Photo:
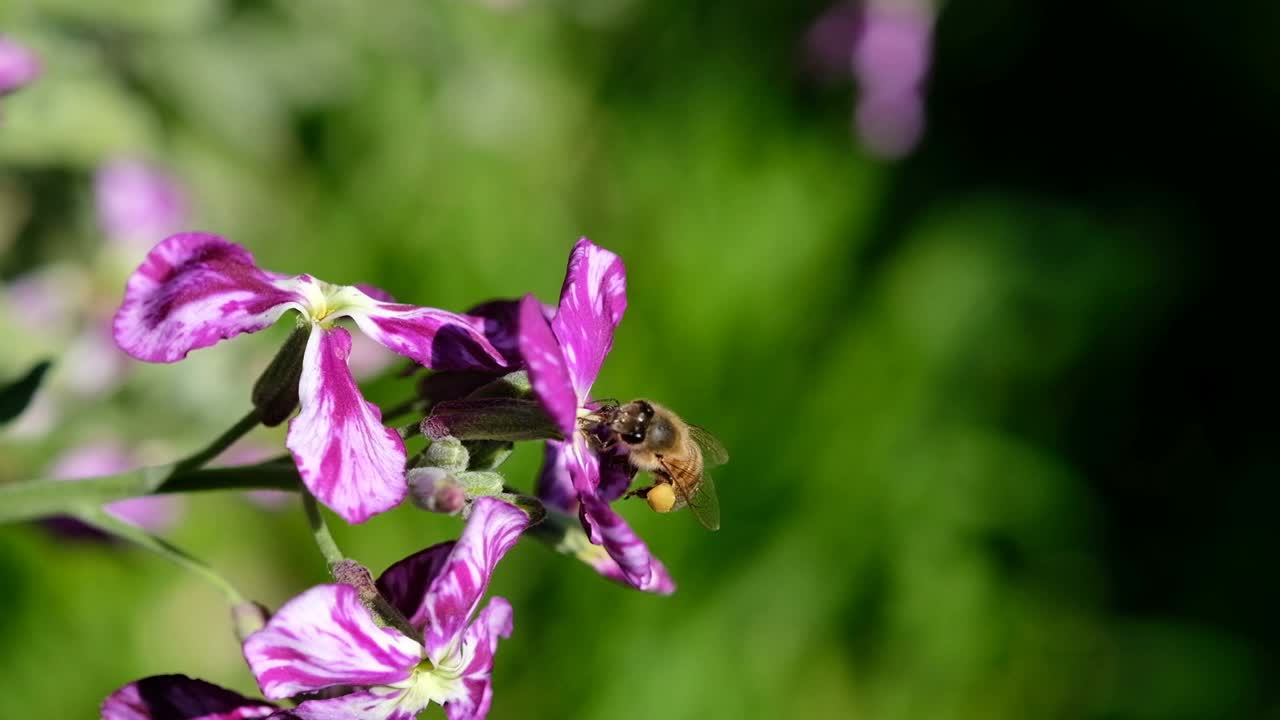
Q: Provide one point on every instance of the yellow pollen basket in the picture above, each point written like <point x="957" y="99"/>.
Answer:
<point x="661" y="497"/>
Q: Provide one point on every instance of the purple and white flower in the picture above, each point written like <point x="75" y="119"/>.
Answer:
<point x="195" y="289"/>
<point x="325" y="637"/>
<point x="178" y="697"/>
<point x="138" y="204"/>
<point x="18" y="66"/>
<point x="563" y="357"/>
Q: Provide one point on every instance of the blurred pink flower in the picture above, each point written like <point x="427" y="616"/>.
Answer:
<point x="887" y="47"/>
<point x="96" y="365"/>
<point x="139" y="204"/>
<point x="18" y="66"/>
<point x="154" y="514"/>
<point x="46" y="300"/>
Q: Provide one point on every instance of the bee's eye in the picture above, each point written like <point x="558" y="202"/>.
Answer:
<point x="632" y="438"/>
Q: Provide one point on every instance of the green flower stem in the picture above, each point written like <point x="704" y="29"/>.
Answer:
<point x="106" y="522"/>
<point x="33" y="499"/>
<point x="223" y="441"/>
<point x="320" y="531"/>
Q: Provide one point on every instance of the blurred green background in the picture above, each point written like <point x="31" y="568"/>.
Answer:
<point x="997" y="448"/>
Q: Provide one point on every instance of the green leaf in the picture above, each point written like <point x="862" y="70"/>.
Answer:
<point x="15" y="396"/>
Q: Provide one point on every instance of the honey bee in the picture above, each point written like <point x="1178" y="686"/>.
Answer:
<point x="674" y="452"/>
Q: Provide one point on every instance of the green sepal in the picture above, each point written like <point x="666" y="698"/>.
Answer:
<point x="275" y="394"/>
<point x="498" y="418"/>
<point x="488" y="454"/>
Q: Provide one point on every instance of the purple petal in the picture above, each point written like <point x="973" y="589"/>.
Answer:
<point x="138" y="203"/>
<point x="345" y="456"/>
<point x="326" y="637"/>
<point x="600" y="561"/>
<point x="474" y="705"/>
<point x="376" y="703"/>
<point x="494" y="526"/>
<point x="555" y="486"/>
<point x="583" y="465"/>
<point x="642" y="570"/>
<point x="153" y="514"/>
<point x="500" y="321"/>
<point x="548" y="373"/>
<point x="494" y="622"/>
<point x="406" y="583"/>
<point x="178" y="697"/>
<point x="18" y="66"/>
<point x="481" y="640"/>
<point x="616" y="474"/>
<point x="434" y="338"/>
<point x="193" y="290"/>
<point x="375" y="292"/>
<point x="895" y="49"/>
<point x="592" y="301"/>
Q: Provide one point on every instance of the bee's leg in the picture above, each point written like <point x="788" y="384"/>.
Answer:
<point x="602" y="444"/>
<point x="639" y="492"/>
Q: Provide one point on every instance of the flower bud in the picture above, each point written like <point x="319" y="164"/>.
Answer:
<point x="435" y="490"/>
<point x="275" y="395"/>
<point x="448" y="453"/>
<point x="491" y="418"/>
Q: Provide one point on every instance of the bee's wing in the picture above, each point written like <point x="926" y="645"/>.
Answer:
<point x="702" y="502"/>
<point x="713" y="452"/>
<point x="705" y="505"/>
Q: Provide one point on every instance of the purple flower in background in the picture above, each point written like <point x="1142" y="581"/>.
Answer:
<point x="153" y="514"/>
<point x="888" y="46"/>
<point x="563" y="357"/>
<point x="138" y="204"/>
<point x="195" y="289"/>
<point x="891" y="60"/>
<point x="18" y="66"/>
<point x="325" y="637"/>
<point x="178" y="697"/>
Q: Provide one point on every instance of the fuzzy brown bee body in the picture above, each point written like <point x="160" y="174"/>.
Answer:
<point x="674" y="452"/>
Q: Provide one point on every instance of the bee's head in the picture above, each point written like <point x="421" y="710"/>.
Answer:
<point x="632" y="421"/>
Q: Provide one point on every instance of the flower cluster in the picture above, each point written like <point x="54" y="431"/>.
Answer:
<point x="506" y="371"/>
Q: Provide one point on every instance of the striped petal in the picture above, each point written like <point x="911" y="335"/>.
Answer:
<point x="178" y="697"/>
<point x="375" y="703"/>
<point x="346" y="457"/>
<point x="195" y="289"/>
<point x="436" y="339"/>
<point x="555" y="487"/>
<point x="641" y="569"/>
<point x="406" y="583"/>
<point x="548" y="372"/>
<point x="481" y="641"/>
<point x="454" y="594"/>
<point x="592" y="301"/>
<point x="326" y="637"/>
